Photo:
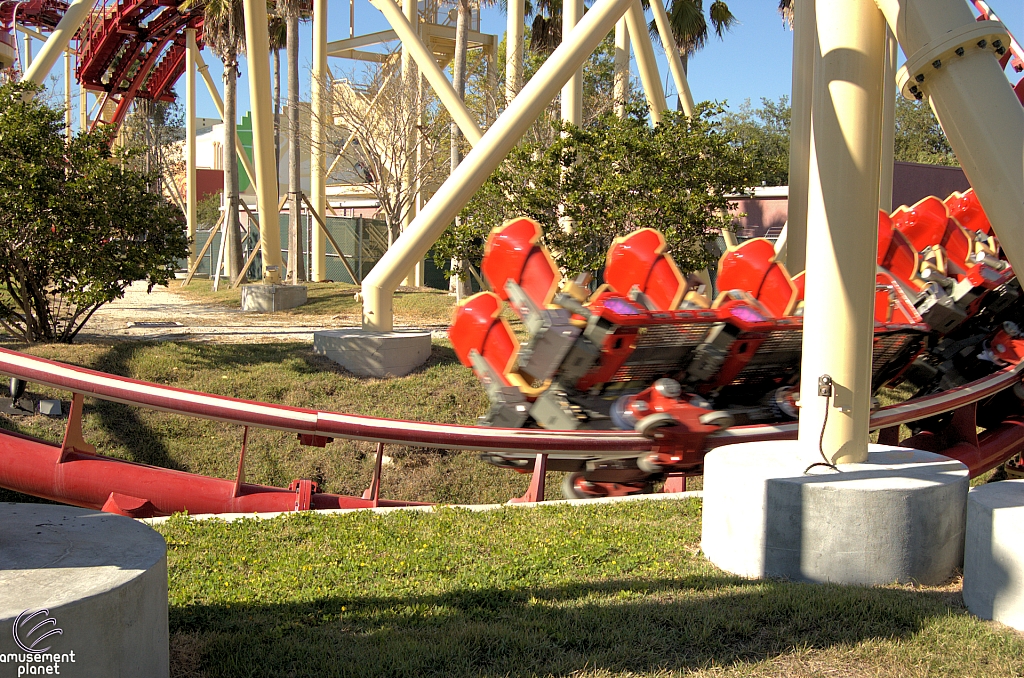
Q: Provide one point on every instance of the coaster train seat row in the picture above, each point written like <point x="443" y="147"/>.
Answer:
<point x="653" y="351"/>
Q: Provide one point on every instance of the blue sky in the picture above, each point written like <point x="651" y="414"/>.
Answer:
<point x="753" y="60"/>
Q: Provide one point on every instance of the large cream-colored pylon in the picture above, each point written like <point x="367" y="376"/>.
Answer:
<point x="379" y="285"/>
<point x="410" y="78"/>
<point x="621" y="67"/>
<point x="190" y="142"/>
<point x="675" y="62"/>
<point x="888" y="121"/>
<point x="968" y="91"/>
<point x="805" y="58"/>
<point x="572" y="92"/>
<point x="257" y="45"/>
<point x="58" y="41"/>
<point x="842" y="218"/>
<point x="319" y="120"/>
<point x="514" y="48"/>
<point x="646" y="64"/>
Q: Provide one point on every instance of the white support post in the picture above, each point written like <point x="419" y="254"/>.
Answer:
<point x="675" y="62"/>
<point x="410" y="76"/>
<point x="431" y="71"/>
<point x="257" y="44"/>
<point x="190" y="141"/>
<point x="514" y="48"/>
<point x="320" y="97"/>
<point x="621" y="91"/>
<point x="58" y="41"/>
<point x="842" y="208"/>
<point x="83" y="103"/>
<point x="379" y="286"/>
<point x="805" y="59"/>
<point x="643" y="50"/>
<point x="67" y="93"/>
<point x="572" y="92"/>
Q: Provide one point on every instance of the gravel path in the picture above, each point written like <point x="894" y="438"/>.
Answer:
<point x="162" y="315"/>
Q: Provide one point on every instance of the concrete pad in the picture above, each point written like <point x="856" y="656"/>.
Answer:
<point x="899" y="517"/>
<point x="262" y="298"/>
<point x="374" y="354"/>
<point x="994" y="552"/>
<point x="100" y="578"/>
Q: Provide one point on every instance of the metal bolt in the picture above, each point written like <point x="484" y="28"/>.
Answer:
<point x="959" y="51"/>
<point x="1001" y="51"/>
<point x="918" y="96"/>
<point x="997" y="43"/>
<point x="919" y="77"/>
<point x="937" y="63"/>
<point x="982" y="44"/>
<point x="913" y="89"/>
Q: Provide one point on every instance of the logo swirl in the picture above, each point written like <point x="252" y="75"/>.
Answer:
<point x="27" y="640"/>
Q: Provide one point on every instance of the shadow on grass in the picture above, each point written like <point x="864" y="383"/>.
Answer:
<point x="122" y="422"/>
<point x="617" y="626"/>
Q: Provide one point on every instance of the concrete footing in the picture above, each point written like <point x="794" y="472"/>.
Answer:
<point x="374" y="354"/>
<point x="262" y="298"/>
<point x="994" y="553"/>
<point x="81" y="592"/>
<point x="899" y="517"/>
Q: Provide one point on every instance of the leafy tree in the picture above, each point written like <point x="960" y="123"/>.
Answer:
<point x="763" y="134"/>
<point x="919" y="137"/>
<point x="75" y="227"/>
<point x="612" y="178"/>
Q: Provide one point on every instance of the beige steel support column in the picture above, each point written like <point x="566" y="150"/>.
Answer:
<point x="58" y="41"/>
<point x="675" y="63"/>
<point x="258" y="57"/>
<point x="319" y="120"/>
<point x="841" y="238"/>
<point x="643" y="50"/>
<point x="621" y="91"/>
<point x="67" y="93"/>
<point x="888" y="121"/>
<point x="514" y="48"/>
<point x="409" y="79"/>
<point x="379" y="286"/>
<point x="572" y="92"/>
<point x="28" y="51"/>
<point x="805" y="59"/>
<point x="979" y="113"/>
<point x="431" y="71"/>
<point x="83" y="104"/>
<point x="218" y="103"/>
<point x="190" y="141"/>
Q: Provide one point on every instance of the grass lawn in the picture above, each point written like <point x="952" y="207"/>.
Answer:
<point x="412" y="306"/>
<point x="570" y="591"/>
<point x="289" y="374"/>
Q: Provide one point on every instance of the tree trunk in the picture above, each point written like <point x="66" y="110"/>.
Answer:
<point x="233" y="234"/>
<point x="296" y="269"/>
<point x="459" y="285"/>
<point x="276" y="53"/>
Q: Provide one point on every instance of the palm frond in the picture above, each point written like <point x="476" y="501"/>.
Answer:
<point x="721" y="18"/>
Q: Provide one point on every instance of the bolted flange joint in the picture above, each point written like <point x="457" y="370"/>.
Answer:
<point x="964" y="42"/>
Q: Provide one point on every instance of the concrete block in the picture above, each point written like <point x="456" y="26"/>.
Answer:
<point x="994" y="553"/>
<point x="50" y="408"/>
<point x="101" y="578"/>
<point x="374" y="354"/>
<point x="899" y="517"/>
<point x="261" y="298"/>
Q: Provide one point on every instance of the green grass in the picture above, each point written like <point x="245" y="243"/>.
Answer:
<point x="583" y="591"/>
<point x="289" y="374"/>
<point x="423" y="305"/>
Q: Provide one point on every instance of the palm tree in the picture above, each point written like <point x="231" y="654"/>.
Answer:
<point x="690" y="27"/>
<point x="224" y="33"/>
<point x="292" y="11"/>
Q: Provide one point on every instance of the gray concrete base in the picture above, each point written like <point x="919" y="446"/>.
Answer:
<point x="100" y="578"/>
<point x="994" y="553"/>
<point x="374" y="354"/>
<point x="262" y="298"/>
<point x="899" y="517"/>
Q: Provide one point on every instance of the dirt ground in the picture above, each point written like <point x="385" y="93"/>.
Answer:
<point x="162" y="315"/>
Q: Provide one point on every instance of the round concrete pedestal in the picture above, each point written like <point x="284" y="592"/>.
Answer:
<point x="97" y="578"/>
<point x="899" y="517"/>
<point x="994" y="553"/>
